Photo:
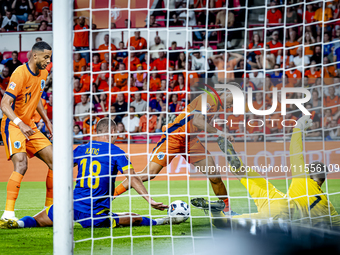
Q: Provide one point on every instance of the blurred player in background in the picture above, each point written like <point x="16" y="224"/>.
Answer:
<point x="92" y="194"/>
<point x="19" y="132"/>
<point x="181" y="137"/>
<point x="305" y="202"/>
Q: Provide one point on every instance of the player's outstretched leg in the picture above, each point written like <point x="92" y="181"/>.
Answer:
<point x="219" y="219"/>
<point x="207" y="166"/>
<point x="13" y="186"/>
<point x="39" y="220"/>
<point x="134" y="219"/>
<point x="227" y="147"/>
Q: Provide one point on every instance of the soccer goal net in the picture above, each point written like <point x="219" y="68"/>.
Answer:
<point x="141" y="63"/>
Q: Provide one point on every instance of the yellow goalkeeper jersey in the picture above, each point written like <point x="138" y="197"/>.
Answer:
<point x="313" y="206"/>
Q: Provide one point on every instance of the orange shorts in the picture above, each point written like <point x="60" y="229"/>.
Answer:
<point x="171" y="145"/>
<point x="15" y="141"/>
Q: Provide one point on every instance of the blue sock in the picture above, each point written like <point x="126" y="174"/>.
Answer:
<point x="147" y="222"/>
<point x="29" y="222"/>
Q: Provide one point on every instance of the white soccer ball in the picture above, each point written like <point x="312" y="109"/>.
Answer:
<point x="179" y="211"/>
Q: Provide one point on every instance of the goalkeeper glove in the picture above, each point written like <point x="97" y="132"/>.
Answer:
<point x="304" y="122"/>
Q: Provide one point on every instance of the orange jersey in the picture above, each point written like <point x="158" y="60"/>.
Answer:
<point x="332" y="102"/>
<point x="201" y="4"/>
<point x="274" y="17"/>
<point x="133" y="63"/>
<point x="183" y="122"/>
<point x="312" y="76"/>
<point x="78" y="65"/>
<point x="293" y="76"/>
<point x="120" y="79"/>
<point x="137" y="44"/>
<point x="329" y="72"/>
<point x="81" y="39"/>
<point x="291" y="44"/>
<point x="259" y="45"/>
<point x="87" y="123"/>
<point x="105" y="47"/>
<point x="155" y="84"/>
<point x="4" y="83"/>
<point x="323" y="15"/>
<point x="273" y="46"/>
<point x="26" y="89"/>
<point x="85" y="81"/>
<point x="152" y="123"/>
<point x="192" y="78"/>
<point x="114" y="94"/>
<point x="234" y="121"/>
<point x="36" y="116"/>
<point x="161" y="64"/>
<point x="38" y="6"/>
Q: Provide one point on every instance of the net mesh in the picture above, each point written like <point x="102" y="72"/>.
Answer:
<point x="163" y="55"/>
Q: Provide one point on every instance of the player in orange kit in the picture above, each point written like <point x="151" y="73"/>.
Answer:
<point x="180" y="138"/>
<point x="20" y="135"/>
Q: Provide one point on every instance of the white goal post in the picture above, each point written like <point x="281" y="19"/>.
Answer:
<point x="62" y="126"/>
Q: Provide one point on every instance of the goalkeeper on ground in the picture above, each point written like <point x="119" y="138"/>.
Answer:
<point x="98" y="165"/>
<point x="305" y="202"/>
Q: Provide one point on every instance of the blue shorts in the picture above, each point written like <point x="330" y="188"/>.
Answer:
<point x="85" y="219"/>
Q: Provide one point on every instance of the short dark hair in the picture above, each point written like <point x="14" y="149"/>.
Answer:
<point x="15" y="52"/>
<point x="134" y="108"/>
<point x="103" y="125"/>
<point x="318" y="171"/>
<point x="41" y="46"/>
<point x="96" y="54"/>
<point x="43" y="21"/>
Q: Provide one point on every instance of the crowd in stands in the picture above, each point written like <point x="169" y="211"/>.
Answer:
<point x="27" y="15"/>
<point x="143" y="84"/>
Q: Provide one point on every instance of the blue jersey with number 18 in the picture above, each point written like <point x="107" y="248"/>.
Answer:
<point x="93" y="159"/>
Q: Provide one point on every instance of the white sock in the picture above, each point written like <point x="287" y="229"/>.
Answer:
<point x="21" y="224"/>
<point x="162" y="221"/>
<point x="8" y="214"/>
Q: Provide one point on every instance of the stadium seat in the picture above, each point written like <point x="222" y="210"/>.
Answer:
<point x="23" y="56"/>
<point x="155" y="138"/>
<point x="7" y="54"/>
<point x="80" y="124"/>
<point x="139" y="138"/>
<point x="162" y="23"/>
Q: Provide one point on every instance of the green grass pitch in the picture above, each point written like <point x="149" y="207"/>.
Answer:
<point x="39" y="240"/>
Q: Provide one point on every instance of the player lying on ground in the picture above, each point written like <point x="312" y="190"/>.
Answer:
<point x="180" y="138"/>
<point x="20" y="135"/>
<point x="305" y="202"/>
<point x="93" y="159"/>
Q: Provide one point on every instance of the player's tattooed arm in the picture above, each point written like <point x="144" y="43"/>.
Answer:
<point x="43" y="114"/>
<point x="6" y="107"/>
<point x="199" y="121"/>
<point x="136" y="183"/>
